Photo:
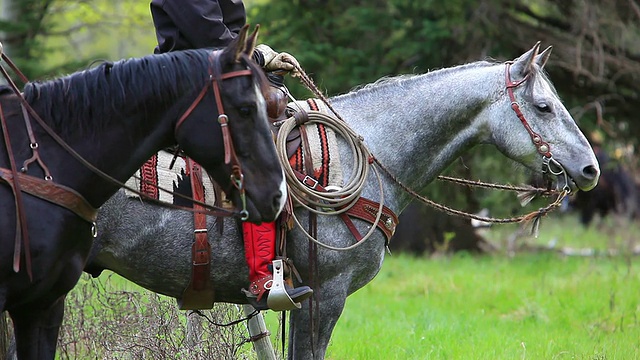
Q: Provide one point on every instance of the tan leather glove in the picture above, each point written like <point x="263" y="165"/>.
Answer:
<point x="274" y="61"/>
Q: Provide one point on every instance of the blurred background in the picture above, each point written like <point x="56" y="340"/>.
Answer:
<point x="595" y="64"/>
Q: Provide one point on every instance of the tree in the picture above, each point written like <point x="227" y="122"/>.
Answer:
<point x="53" y="37"/>
<point x="21" y="23"/>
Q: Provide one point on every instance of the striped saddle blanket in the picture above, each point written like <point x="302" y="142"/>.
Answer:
<point x="156" y="172"/>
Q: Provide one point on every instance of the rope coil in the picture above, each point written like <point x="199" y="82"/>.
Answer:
<point x="333" y="202"/>
<point x="322" y="202"/>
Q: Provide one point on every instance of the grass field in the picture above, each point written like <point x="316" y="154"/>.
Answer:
<point x="532" y="306"/>
<point x="532" y="303"/>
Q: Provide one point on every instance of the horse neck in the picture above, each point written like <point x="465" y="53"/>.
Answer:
<point x="128" y="126"/>
<point x="418" y="125"/>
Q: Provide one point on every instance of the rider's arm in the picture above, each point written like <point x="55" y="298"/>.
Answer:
<point x="189" y="24"/>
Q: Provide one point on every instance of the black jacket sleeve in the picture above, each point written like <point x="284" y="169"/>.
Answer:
<point x="191" y="24"/>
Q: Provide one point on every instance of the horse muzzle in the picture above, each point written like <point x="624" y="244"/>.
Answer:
<point x="585" y="178"/>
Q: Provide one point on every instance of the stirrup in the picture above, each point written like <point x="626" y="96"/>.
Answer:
<point x="278" y="299"/>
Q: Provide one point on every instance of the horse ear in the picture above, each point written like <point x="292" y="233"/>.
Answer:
<point x="524" y="64"/>
<point x="252" y="40"/>
<point x="239" y="43"/>
<point x="542" y="58"/>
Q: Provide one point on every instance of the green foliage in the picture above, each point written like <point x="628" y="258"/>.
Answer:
<point x="48" y="38"/>
<point x="358" y="42"/>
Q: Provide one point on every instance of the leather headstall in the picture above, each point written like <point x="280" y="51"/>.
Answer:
<point x="541" y="145"/>
<point x="199" y="294"/>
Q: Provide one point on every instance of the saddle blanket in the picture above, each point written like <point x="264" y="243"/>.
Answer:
<point x="323" y="147"/>
<point x="177" y="179"/>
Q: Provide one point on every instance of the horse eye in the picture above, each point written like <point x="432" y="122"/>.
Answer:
<point x="542" y="107"/>
<point x="245" y="111"/>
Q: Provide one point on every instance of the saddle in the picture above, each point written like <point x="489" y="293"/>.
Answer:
<point x="313" y="154"/>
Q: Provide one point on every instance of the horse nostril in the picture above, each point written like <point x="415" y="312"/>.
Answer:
<point x="277" y="200"/>
<point x="591" y="172"/>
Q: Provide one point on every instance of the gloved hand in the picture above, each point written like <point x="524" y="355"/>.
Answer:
<point x="278" y="61"/>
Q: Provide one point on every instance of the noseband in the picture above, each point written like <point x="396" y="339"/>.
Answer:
<point x="215" y="77"/>
<point x="542" y="146"/>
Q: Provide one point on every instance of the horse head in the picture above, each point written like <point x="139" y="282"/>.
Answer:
<point x="251" y="173"/>
<point x="538" y="130"/>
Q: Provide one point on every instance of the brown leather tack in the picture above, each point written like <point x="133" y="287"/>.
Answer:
<point x="54" y="193"/>
<point x="199" y="294"/>
<point x="367" y="210"/>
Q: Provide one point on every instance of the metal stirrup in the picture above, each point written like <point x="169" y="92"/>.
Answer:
<point x="278" y="299"/>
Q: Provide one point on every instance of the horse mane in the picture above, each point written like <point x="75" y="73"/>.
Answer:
<point x="401" y="80"/>
<point x="87" y="101"/>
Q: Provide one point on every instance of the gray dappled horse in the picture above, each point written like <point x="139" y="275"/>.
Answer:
<point x="415" y="125"/>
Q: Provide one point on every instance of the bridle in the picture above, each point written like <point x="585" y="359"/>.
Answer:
<point x="543" y="148"/>
<point x="216" y="77"/>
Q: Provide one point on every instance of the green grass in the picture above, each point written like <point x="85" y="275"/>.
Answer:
<point x="536" y="306"/>
<point x="528" y="306"/>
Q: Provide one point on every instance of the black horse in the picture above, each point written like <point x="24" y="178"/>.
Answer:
<point x="116" y="116"/>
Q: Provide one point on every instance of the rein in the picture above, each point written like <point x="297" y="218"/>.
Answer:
<point x="63" y="196"/>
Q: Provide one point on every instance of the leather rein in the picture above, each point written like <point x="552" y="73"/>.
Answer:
<point x="68" y="198"/>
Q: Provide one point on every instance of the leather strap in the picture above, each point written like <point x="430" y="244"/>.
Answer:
<point x="54" y="193"/>
<point x="363" y="209"/>
<point x="542" y="146"/>
<point x="33" y="144"/>
<point x="21" y="217"/>
<point x="199" y="294"/>
<point x="367" y="210"/>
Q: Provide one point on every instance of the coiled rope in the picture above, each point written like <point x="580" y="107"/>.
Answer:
<point x="337" y="201"/>
<point x="326" y="202"/>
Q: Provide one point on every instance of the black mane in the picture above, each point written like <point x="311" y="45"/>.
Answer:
<point x="94" y="98"/>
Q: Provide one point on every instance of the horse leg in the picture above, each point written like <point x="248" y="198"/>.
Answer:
<point x="329" y="308"/>
<point x="36" y="331"/>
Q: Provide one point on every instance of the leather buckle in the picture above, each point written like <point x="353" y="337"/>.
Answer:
<point x="310" y="182"/>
